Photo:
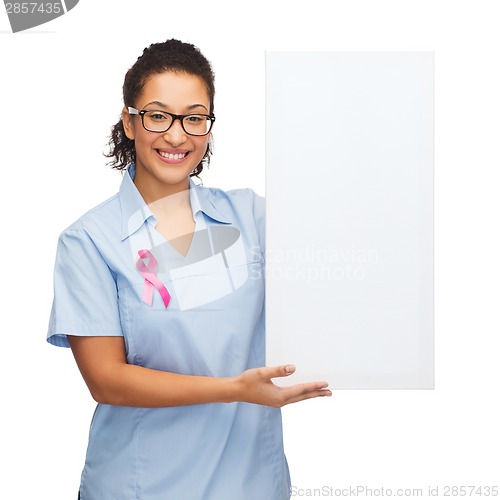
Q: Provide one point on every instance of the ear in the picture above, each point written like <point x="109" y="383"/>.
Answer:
<point x="128" y="124"/>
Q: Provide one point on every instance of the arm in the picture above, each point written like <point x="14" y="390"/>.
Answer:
<point x="111" y="380"/>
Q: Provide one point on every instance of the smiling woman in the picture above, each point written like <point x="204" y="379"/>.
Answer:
<point x="159" y="292"/>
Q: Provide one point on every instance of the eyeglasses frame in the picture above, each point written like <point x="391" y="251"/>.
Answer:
<point x="142" y="112"/>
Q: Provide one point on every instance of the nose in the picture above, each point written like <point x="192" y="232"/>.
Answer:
<point x="175" y="135"/>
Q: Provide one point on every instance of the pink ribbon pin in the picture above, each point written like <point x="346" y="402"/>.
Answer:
<point x="150" y="280"/>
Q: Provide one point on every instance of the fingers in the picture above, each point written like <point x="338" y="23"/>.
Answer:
<point x="269" y="372"/>
<point x="308" y="396"/>
<point x="277" y="371"/>
<point x="301" y="392"/>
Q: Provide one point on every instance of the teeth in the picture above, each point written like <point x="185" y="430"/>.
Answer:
<point x="171" y="156"/>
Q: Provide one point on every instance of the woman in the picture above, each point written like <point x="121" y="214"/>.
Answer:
<point x="159" y="292"/>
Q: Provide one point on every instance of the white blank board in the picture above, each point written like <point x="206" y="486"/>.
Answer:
<point x="349" y="191"/>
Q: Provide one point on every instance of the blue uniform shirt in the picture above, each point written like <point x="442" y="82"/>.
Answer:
<point x="214" y="325"/>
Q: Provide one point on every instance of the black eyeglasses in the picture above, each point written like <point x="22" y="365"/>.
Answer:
<point x="160" y="121"/>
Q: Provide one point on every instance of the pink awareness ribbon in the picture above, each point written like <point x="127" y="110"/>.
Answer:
<point x="150" y="280"/>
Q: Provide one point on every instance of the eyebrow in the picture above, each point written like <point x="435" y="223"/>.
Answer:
<point x="162" y="105"/>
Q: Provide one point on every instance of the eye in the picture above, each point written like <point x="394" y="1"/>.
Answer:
<point x="157" y="116"/>
<point x="195" y="118"/>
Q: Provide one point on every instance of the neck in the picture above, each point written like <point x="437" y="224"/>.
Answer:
<point x="171" y="203"/>
<point x="162" y="196"/>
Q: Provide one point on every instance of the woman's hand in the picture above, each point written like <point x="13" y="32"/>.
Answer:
<point x="255" y="386"/>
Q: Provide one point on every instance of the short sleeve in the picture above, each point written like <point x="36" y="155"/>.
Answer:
<point x="85" y="292"/>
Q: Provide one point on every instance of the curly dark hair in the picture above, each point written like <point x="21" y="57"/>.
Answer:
<point x="171" y="55"/>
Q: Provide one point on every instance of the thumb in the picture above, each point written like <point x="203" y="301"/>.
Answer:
<point x="281" y="371"/>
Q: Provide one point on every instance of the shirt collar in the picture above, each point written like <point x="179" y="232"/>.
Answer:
<point x="135" y="211"/>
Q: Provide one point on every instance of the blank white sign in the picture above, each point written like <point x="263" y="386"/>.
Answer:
<point x="349" y="190"/>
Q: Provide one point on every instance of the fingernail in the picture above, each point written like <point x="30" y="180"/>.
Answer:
<point x="290" y="368"/>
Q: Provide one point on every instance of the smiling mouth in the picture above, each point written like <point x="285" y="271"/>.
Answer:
<point x="170" y="156"/>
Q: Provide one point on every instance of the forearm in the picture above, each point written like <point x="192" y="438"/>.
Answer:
<point x="131" y="385"/>
<point x="111" y="380"/>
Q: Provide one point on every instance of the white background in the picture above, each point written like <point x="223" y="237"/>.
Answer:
<point x="60" y="91"/>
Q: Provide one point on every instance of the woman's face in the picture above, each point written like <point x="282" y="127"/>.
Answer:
<point x="157" y="169"/>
